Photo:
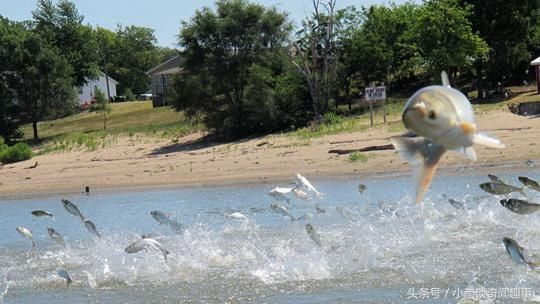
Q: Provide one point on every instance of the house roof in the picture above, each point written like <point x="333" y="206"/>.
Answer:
<point x="170" y="66"/>
<point x="101" y="74"/>
<point x="536" y="62"/>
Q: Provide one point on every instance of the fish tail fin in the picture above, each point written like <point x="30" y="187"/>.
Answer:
<point x="425" y="155"/>
<point x="488" y="141"/>
<point x="522" y="191"/>
<point x="424" y="180"/>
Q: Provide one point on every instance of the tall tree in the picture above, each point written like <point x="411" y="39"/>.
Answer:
<point x="445" y="37"/>
<point x="41" y="79"/>
<point x="383" y="47"/>
<point x="10" y="120"/>
<point x="316" y="56"/>
<point x="508" y="27"/>
<point x="228" y="53"/>
<point x="61" y="25"/>
<point x="135" y="53"/>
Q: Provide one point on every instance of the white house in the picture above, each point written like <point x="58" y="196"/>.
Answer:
<point x="86" y="92"/>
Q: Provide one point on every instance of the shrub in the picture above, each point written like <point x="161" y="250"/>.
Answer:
<point x="129" y="95"/>
<point x="16" y="153"/>
<point x="3" y="145"/>
<point x="332" y="118"/>
<point x="358" y="156"/>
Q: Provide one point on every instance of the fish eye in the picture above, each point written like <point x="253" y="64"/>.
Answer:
<point x="432" y="115"/>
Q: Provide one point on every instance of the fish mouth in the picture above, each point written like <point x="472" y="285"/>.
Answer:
<point x="417" y="111"/>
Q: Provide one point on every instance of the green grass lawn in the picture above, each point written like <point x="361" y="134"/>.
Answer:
<point x="358" y="122"/>
<point x="85" y="130"/>
<point x="128" y="118"/>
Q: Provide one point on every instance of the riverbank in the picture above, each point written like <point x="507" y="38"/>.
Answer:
<point x="135" y="162"/>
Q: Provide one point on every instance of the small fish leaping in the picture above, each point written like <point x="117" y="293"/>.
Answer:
<point x="444" y="117"/>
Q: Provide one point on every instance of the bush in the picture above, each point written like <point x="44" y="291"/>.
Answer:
<point x="332" y="118"/>
<point x="358" y="156"/>
<point x="129" y="95"/>
<point x="16" y="153"/>
<point x="3" y="145"/>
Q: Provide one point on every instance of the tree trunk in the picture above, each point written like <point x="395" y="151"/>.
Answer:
<point x="104" y="121"/>
<point x="34" y="126"/>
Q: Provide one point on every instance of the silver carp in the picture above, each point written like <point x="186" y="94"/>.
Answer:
<point x="26" y="233"/>
<point x="61" y="271"/>
<point x="72" y="209"/>
<point x="444" y="117"/>
<point x="165" y="219"/>
<point x="499" y="188"/>
<point x="147" y="243"/>
<point x="283" y="211"/>
<point x="57" y="237"/>
<point x="528" y="182"/>
<point x="42" y="213"/>
<point x="519" y="206"/>
<point x="91" y="227"/>
<point x="516" y="253"/>
<point x="313" y="234"/>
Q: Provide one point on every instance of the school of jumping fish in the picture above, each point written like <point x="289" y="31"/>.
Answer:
<point x="443" y="120"/>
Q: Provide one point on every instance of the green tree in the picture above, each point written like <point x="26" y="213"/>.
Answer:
<point x="316" y="57"/>
<point x="509" y="28"/>
<point x="61" y="26"/>
<point x="41" y="79"/>
<point x="445" y="37"/>
<point x="106" y="49"/>
<point x="228" y="53"/>
<point x="165" y="53"/>
<point x="135" y="53"/>
<point x="101" y="106"/>
<point x="10" y="119"/>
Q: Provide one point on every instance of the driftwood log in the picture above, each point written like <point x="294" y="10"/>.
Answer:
<point x="365" y="149"/>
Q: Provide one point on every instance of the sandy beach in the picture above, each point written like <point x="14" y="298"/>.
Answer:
<point x="146" y="162"/>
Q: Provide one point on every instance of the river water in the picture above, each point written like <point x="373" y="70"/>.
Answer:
<point x="377" y="246"/>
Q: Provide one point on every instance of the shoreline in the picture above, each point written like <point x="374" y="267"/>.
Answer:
<point x="148" y="163"/>
<point x="453" y="170"/>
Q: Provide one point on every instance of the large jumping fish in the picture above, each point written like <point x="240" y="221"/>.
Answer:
<point x="444" y="118"/>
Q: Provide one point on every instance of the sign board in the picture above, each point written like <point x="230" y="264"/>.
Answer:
<point x="373" y="94"/>
<point x="376" y="93"/>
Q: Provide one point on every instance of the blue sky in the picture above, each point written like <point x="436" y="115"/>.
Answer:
<point x="164" y="16"/>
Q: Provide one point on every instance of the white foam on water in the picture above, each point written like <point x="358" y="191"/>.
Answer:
<point x="397" y="244"/>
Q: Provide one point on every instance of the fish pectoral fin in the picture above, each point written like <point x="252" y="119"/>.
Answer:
<point x="467" y="128"/>
<point x="468" y="152"/>
<point x="488" y="141"/>
<point x="425" y="155"/>
<point x="408" y="148"/>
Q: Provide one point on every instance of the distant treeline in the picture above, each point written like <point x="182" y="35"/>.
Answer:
<point x="248" y="71"/>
